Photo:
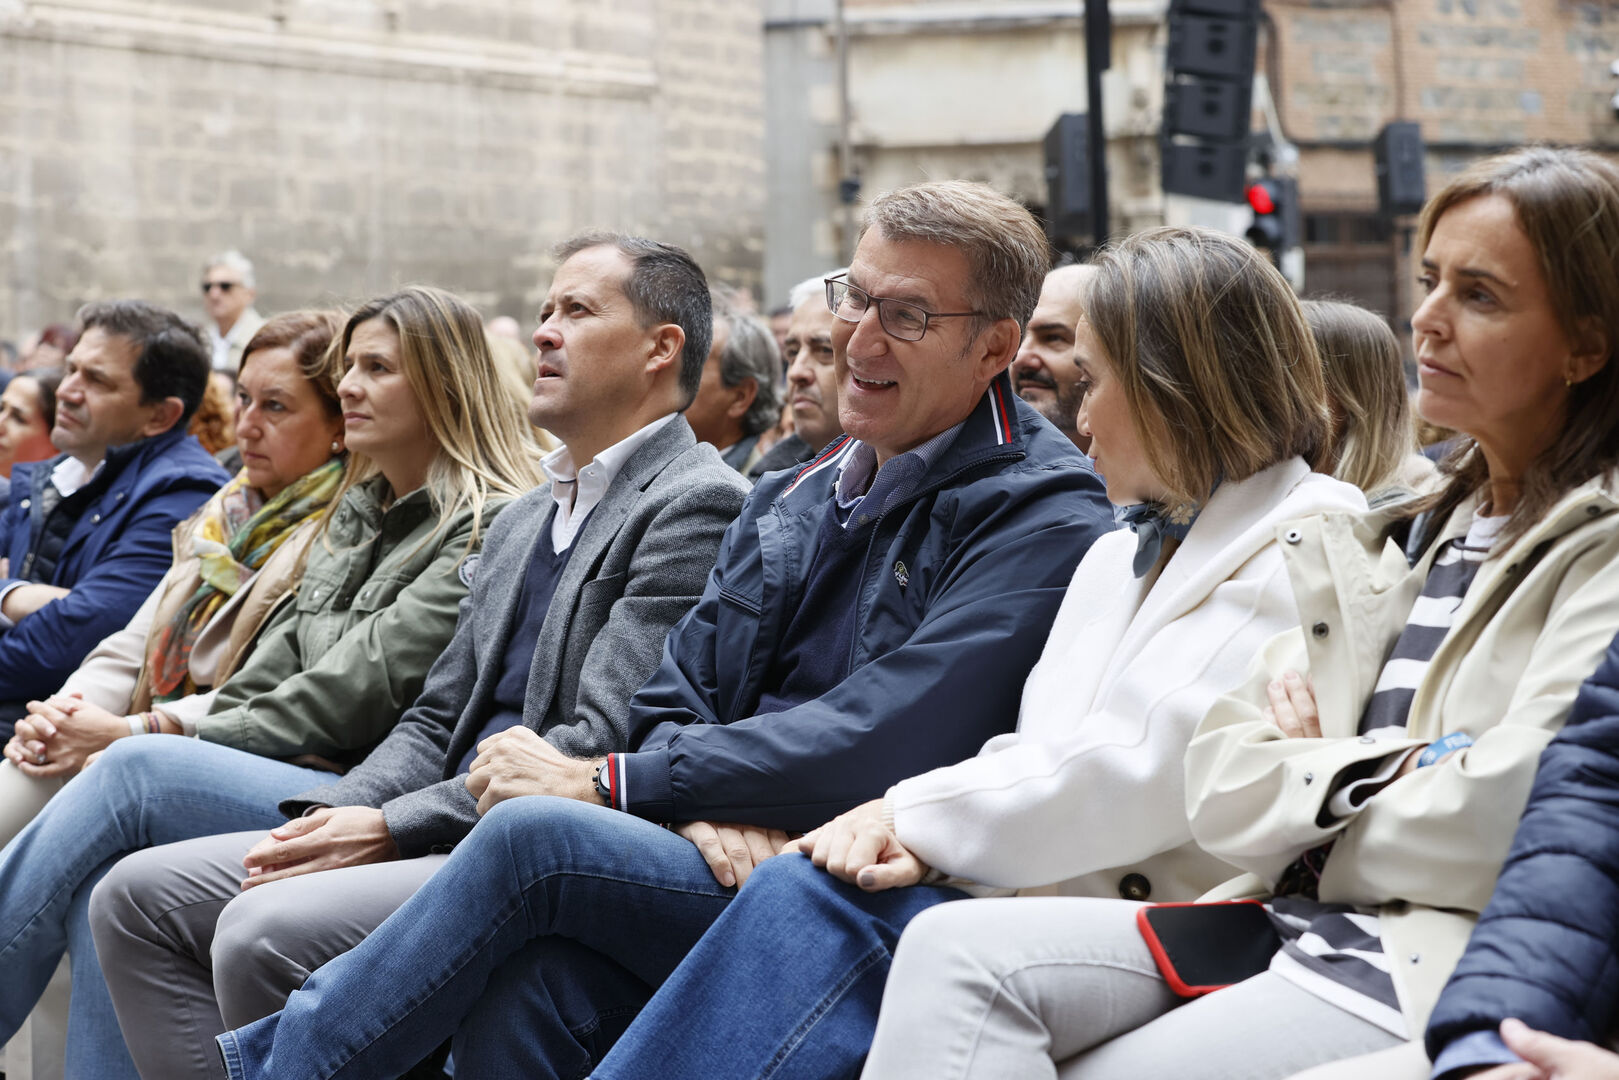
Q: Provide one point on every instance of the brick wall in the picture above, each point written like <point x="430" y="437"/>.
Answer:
<point x="1477" y="75"/>
<point x="349" y="146"/>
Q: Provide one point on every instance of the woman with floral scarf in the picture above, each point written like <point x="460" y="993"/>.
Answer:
<point x="234" y="560"/>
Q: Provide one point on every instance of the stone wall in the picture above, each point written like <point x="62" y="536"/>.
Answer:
<point x="945" y="89"/>
<point x="349" y="146"/>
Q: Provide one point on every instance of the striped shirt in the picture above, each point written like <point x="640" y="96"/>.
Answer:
<point x="1334" y="951"/>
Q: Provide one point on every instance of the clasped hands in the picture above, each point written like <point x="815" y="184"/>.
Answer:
<point x="857" y="847"/>
<point x="60" y="734"/>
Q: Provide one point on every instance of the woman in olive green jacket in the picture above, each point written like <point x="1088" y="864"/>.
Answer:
<point x="436" y="446"/>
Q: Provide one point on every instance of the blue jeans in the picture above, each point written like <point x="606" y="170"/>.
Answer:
<point x="785" y="985"/>
<point x="142" y="792"/>
<point x="534" y="945"/>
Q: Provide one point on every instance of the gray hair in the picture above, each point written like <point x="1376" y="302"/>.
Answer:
<point x="815" y="286"/>
<point x="1007" y="251"/>
<point x="236" y="261"/>
<point x="750" y="353"/>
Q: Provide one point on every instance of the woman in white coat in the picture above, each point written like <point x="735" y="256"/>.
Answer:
<point x="1370" y="772"/>
<point x="1206" y="409"/>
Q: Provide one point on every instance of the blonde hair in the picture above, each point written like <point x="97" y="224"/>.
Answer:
<point x="1360" y="356"/>
<point x="1212" y="355"/>
<point x="1567" y="203"/>
<point x="480" y="427"/>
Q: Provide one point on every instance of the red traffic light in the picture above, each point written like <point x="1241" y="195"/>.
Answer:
<point x="1259" y="198"/>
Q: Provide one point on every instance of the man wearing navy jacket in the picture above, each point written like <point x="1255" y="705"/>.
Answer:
<point x="86" y="534"/>
<point x="872" y="615"/>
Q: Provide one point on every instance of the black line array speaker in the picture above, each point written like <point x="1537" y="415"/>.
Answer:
<point x="1068" y="188"/>
<point x="1402" y="187"/>
<point x="1208" y="96"/>
<point x="1207" y="170"/>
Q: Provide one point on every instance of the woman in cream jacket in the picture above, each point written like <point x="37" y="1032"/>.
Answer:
<point x="1370" y="773"/>
<point x="1085" y="798"/>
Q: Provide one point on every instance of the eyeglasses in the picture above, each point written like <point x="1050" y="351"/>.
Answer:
<point x="897" y="318"/>
<point x="222" y="286"/>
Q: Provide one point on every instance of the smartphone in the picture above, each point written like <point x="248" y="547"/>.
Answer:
<point x="1200" y="948"/>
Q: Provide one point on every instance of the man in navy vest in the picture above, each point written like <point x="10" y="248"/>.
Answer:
<point x="873" y="615"/>
<point x="86" y="535"/>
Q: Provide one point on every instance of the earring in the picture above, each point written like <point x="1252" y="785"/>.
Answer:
<point x="337" y="447"/>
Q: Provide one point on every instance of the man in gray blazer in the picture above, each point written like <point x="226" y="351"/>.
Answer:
<point x="576" y="588"/>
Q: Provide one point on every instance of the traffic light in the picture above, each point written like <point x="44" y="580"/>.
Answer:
<point x="1275" y="202"/>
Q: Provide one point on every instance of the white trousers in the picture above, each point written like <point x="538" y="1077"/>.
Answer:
<point x="1048" y="987"/>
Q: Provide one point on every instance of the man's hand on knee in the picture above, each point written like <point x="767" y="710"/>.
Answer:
<point x="732" y="851"/>
<point x="325" y="839"/>
<point x="518" y="762"/>
<point x="860" y="847"/>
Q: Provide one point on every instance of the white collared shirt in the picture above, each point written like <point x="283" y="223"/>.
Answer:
<point x="241" y="332"/>
<point x="577" y="491"/>
<point x="70" y="475"/>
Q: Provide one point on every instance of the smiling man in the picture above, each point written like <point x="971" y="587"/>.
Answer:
<point x="1044" y="373"/>
<point x="86" y="536"/>
<point x="872" y="615"/>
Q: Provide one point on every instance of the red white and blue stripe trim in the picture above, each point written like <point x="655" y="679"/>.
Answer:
<point x="614" y="772"/>
<point x="832" y="457"/>
<point x="1000" y="416"/>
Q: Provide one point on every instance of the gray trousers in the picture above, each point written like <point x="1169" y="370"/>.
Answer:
<point x="1056" y="987"/>
<point x="188" y="954"/>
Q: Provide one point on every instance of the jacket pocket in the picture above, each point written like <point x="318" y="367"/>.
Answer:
<point x="748" y="604"/>
<point x="602" y="590"/>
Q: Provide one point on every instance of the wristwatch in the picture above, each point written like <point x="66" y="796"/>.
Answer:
<point x="600" y="778"/>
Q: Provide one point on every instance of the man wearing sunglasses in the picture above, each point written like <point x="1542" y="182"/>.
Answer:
<point x="873" y="614"/>
<point x="228" y="295"/>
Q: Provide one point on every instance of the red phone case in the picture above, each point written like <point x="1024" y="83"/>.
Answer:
<point x="1160" y="955"/>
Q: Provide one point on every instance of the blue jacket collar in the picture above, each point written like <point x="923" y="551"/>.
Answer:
<point x="991" y="432"/>
<point x="119" y="458"/>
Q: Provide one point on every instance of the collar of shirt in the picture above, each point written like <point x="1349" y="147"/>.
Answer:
<point x="861" y="483"/>
<point x="70" y="475"/>
<point x="577" y="491"/>
<point x="239" y="330"/>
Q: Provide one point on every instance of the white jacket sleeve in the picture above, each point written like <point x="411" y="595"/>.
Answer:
<point x="108" y="676"/>
<point x="1106" y="788"/>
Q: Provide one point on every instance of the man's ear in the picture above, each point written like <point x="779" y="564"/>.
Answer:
<point x="997" y="347"/>
<point x="165" y="414"/>
<point x="668" y="344"/>
<point x="743" y="395"/>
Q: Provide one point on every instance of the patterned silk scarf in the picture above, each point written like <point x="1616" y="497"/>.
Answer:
<point x="1153" y="523"/>
<point x="239" y="531"/>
